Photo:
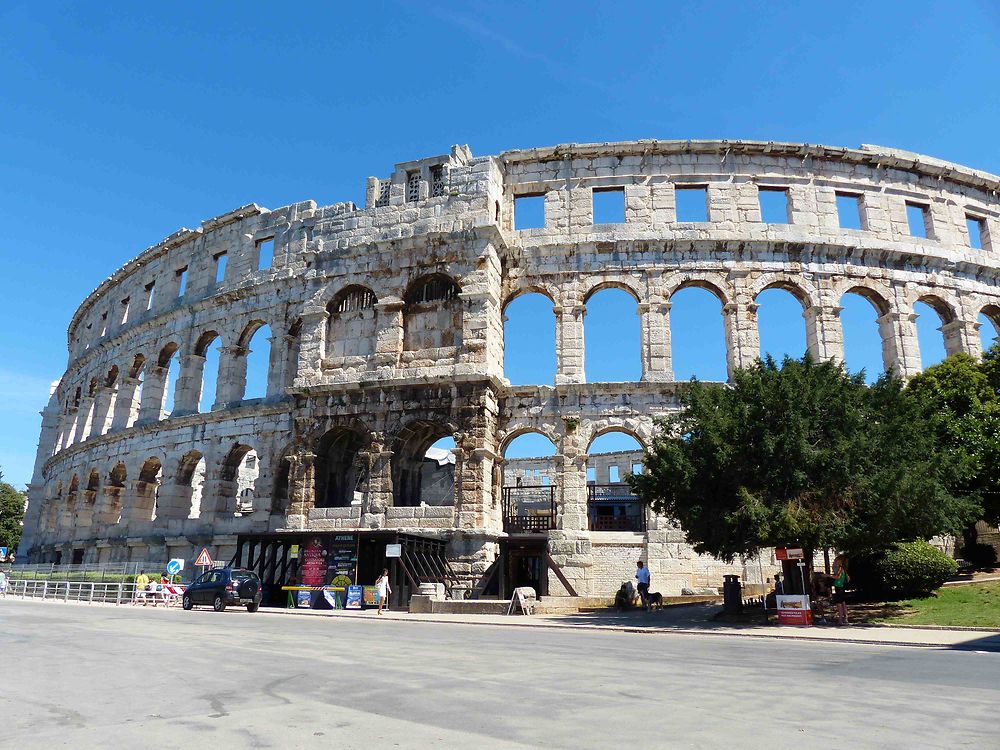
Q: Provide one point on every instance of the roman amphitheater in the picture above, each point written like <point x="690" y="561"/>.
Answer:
<point x="386" y="334"/>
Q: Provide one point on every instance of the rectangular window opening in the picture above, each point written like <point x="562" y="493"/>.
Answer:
<point x="692" y="203"/>
<point x="265" y="254"/>
<point x="774" y="205"/>
<point x="977" y="231"/>
<point x="181" y="281"/>
<point x="849" y="210"/>
<point x="529" y="211"/>
<point x="412" y="186"/>
<point x="591" y="475"/>
<point x="150" y="294"/>
<point x="220" y="267"/>
<point x="637" y="468"/>
<point x="609" y="205"/>
<point x="917" y="219"/>
<point x="104" y="324"/>
<point x="125" y="306"/>
<point x="546" y="480"/>
<point x="437" y="181"/>
<point x="614" y="475"/>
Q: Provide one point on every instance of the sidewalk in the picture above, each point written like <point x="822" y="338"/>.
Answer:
<point x="693" y="620"/>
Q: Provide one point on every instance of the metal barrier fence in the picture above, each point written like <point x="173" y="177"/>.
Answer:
<point x="89" y="592"/>
<point x="93" y="572"/>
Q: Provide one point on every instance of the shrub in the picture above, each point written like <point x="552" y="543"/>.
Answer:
<point x="979" y="554"/>
<point x="914" y="568"/>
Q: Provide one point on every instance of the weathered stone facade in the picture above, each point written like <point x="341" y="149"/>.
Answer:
<point x="387" y="334"/>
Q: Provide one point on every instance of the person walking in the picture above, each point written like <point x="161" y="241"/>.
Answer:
<point x="3" y="584"/>
<point x="840" y="579"/>
<point x="141" y="584"/>
<point x="642" y="576"/>
<point x="383" y="590"/>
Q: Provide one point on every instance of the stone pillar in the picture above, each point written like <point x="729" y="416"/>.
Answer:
<point x="572" y="510"/>
<point x="824" y="335"/>
<point x="126" y="406"/>
<point x="83" y="419"/>
<point x="109" y="505"/>
<point x="218" y="495"/>
<point x="379" y="494"/>
<point x="389" y="332"/>
<point x="301" y="488"/>
<point x="311" y="343"/>
<point x="102" y="405"/>
<point x="742" y="336"/>
<point x="140" y="502"/>
<point x="68" y="427"/>
<point x="900" y="349"/>
<point x="153" y="394"/>
<point x="962" y="336"/>
<point x="85" y="510"/>
<point x="654" y="320"/>
<point x="232" y="381"/>
<point x="276" y="348"/>
<point x="290" y="362"/>
<point x="187" y="395"/>
<point x="569" y="344"/>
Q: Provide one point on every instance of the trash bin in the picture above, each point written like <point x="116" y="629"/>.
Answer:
<point x="732" y="595"/>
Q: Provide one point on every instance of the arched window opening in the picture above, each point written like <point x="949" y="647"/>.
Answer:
<point x="930" y="338"/>
<point x="989" y="326"/>
<point x="258" y="363"/>
<point x="351" y="326"/>
<point x="529" y="340"/>
<point x="209" y="346"/>
<point x="146" y="491"/>
<point x="93" y="481"/>
<point x="697" y="335"/>
<point x="611" y="503"/>
<point x="69" y="509"/>
<point x="341" y="474"/>
<point x="423" y="465"/>
<point x="129" y="399"/>
<point x="172" y="370"/>
<point x="191" y="477"/>
<point x="780" y="324"/>
<point x="611" y="338"/>
<point x="282" y="487"/>
<point x="528" y="484"/>
<point x="240" y="470"/>
<point x="863" y="349"/>
<point x="432" y="317"/>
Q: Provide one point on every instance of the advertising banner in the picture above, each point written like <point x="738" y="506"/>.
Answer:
<point x="354" y="597"/>
<point x="793" y="610"/>
<point x="312" y="570"/>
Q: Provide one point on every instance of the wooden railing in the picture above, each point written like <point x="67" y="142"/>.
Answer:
<point x="614" y="507"/>
<point x="529" y="510"/>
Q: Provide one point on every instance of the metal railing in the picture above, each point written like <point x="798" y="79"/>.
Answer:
<point x="96" y="572"/>
<point x="83" y="591"/>
<point x="614" y="507"/>
<point x="529" y="510"/>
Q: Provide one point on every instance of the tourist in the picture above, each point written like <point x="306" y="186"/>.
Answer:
<point x="383" y="590"/>
<point x="840" y="579"/>
<point x="642" y="576"/>
<point x="3" y="583"/>
<point x="141" y="582"/>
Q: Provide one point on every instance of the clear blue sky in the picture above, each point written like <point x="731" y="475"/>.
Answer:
<point x="123" y="122"/>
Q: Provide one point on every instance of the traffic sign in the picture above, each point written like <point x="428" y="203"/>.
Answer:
<point x="204" y="558"/>
<point x="175" y="566"/>
<point x="3" y="554"/>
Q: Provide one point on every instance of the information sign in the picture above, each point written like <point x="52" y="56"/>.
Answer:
<point x="793" y="610"/>
<point x="394" y="550"/>
<point x="3" y="554"/>
<point x="293" y="552"/>
<point x="354" y="597"/>
<point x="312" y="571"/>
<point x="789" y="553"/>
<point x="304" y="598"/>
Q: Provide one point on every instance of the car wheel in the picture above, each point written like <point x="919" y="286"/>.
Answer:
<point x="253" y="607"/>
<point x="186" y="602"/>
<point x="219" y="605"/>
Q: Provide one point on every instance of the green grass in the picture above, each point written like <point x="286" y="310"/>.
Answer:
<point x="970" y="605"/>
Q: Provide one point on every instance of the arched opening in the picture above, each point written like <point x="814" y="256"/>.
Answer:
<point x="863" y="346"/>
<point x="130" y="394"/>
<point x="93" y="481"/>
<point x="341" y="475"/>
<point x="423" y="465"/>
<point x="206" y="372"/>
<point x="611" y="503"/>
<point x="144" y="502"/>
<point x="931" y="314"/>
<point x="780" y="324"/>
<point x="171" y="372"/>
<point x="528" y="486"/>
<point x="113" y="495"/>
<point x="611" y="337"/>
<point x="282" y="486"/>
<point x="191" y="479"/>
<point x="240" y="470"/>
<point x="258" y="355"/>
<point x="432" y="314"/>
<point x="69" y="510"/>
<point x="104" y="405"/>
<point x="697" y="334"/>
<point x="351" y="327"/>
<point x="529" y="340"/>
<point x="989" y="326"/>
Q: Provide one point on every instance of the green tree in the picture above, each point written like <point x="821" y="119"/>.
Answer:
<point x="959" y="399"/>
<point x="800" y="454"/>
<point x="11" y="514"/>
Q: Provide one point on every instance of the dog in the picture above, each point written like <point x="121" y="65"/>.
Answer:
<point x="654" y="599"/>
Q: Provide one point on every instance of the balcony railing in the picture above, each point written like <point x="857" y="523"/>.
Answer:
<point x="614" y="507"/>
<point x="529" y="510"/>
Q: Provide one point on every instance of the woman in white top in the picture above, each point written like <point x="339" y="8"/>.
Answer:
<point x="383" y="589"/>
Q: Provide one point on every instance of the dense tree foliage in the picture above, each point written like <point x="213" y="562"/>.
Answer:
<point x="11" y="514"/>
<point x="801" y="453"/>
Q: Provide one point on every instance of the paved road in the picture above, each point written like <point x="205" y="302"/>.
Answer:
<point x="83" y="676"/>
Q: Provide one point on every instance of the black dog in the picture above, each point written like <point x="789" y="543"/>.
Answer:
<point x="654" y="599"/>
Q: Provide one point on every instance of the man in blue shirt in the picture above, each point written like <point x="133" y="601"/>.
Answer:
<point x="642" y="576"/>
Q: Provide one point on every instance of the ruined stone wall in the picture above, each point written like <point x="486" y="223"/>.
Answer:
<point x="386" y="334"/>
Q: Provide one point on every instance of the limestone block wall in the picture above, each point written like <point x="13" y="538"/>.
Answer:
<point x="386" y="334"/>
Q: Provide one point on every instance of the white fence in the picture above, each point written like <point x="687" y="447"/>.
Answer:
<point x="89" y="592"/>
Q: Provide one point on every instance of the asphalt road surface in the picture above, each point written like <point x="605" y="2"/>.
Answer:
<point x="83" y="676"/>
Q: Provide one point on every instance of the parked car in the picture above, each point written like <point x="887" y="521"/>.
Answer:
<point x="224" y="586"/>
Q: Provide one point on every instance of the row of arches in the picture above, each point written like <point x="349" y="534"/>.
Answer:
<point x="612" y="332"/>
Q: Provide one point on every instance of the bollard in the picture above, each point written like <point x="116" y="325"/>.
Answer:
<point x="732" y="595"/>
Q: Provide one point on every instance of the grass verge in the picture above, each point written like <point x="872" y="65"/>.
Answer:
<point x="971" y="605"/>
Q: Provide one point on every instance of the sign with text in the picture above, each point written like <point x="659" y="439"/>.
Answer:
<point x="312" y="570"/>
<point x="789" y="553"/>
<point x="394" y="550"/>
<point x="354" y="597"/>
<point x="793" y="610"/>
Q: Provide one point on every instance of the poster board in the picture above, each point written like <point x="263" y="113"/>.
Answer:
<point x="793" y="610"/>
<point x="354" y="596"/>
